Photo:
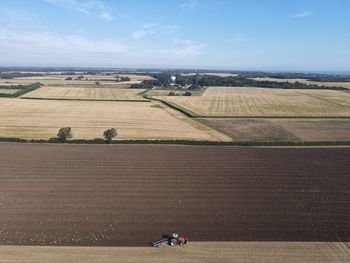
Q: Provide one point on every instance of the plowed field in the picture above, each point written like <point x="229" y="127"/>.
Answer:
<point x="130" y="195"/>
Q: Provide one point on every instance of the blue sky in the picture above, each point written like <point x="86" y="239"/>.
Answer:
<point x="228" y="34"/>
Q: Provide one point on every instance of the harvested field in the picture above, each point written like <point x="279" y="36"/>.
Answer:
<point x="205" y="252"/>
<point x="86" y="80"/>
<point x="86" y="94"/>
<point x="41" y="119"/>
<point x="129" y="195"/>
<point x="283" y="129"/>
<point x="329" y="84"/>
<point x="222" y="74"/>
<point x="8" y="91"/>
<point x="264" y="102"/>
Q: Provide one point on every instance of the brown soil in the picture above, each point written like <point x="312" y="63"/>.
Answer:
<point x="283" y="129"/>
<point x="128" y="195"/>
<point x="252" y="129"/>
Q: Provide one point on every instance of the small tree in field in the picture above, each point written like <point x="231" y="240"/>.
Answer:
<point x="65" y="133"/>
<point x="110" y="134"/>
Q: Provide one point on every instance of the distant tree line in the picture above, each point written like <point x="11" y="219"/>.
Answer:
<point x="22" y="89"/>
<point x="12" y="75"/>
<point x="306" y="76"/>
<point x="198" y="81"/>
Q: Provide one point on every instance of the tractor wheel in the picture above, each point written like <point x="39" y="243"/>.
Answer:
<point x="173" y="242"/>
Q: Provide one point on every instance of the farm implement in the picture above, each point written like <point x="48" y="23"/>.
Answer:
<point x="171" y="240"/>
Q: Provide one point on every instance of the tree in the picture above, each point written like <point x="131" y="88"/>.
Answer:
<point x="65" y="133"/>
<point x="109" y="134"/>
<point x="187" y="93"/>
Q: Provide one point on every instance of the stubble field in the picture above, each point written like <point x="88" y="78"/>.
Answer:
<point x="130" y="195"/>
<point x="204" y="252"/>
<point x="264" y="102"/>
<point x="86" y="80"/>
<point x="8" y="91"/>
<point x="41" y="119"/>
<point x="65" y="93"/>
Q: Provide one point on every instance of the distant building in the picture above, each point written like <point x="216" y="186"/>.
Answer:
<point x="172" y="80"/>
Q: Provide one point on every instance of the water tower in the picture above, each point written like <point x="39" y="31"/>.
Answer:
<point x="172" y="80"/>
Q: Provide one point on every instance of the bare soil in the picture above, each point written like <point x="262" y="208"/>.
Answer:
<point x="283" y="129"/>
<point x="129" y="195"/>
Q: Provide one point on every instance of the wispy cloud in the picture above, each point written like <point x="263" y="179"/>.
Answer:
<point x="152" y="29"/>
<point x="47" y="41"/>
<point x="188" y="5"/>
<point x="238" y="38"/>
<point x="20" y="18"/>
<point x="185" y="49"/>
<point x="302" y="14"/>
<point x="87" y="7"/>
<point x="139" y="34"/>
<point x="106" y="16"/>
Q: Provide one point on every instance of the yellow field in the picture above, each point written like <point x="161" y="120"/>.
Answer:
<point x="87" y="80"/>
<point x="206" y="252"/>
<point x="41" y="119"/>
<point x="329" y="84"/>
<point x="260" y="102"/>
<point x="224" y="75"/>
<point x="85" y="94"/>
<point x="8" y="91"/>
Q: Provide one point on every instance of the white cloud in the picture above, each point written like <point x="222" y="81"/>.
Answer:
<point x="153" y="29"/>
<point x="88" y="7"/>
<point x="139" y="34"/>
<point x="238" y="38"/>
<point x="188" y="5"/>
<point x="187" y="51"/>
<point x="106" y="16"/>
<point x="49" y="42"/>
<point x="150" y="26"/>
<point x="303" y="14"/>
<point x="185" y="41"/>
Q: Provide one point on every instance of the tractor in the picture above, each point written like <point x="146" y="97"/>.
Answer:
<point x="171" y="240"/>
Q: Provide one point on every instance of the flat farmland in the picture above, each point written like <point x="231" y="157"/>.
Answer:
<point x="310" y="82"/>
<point x="128" y="195"/>
<point x="8" y="91"/>
<point x="283" y="129"/>
<point x="87" y="80"/>
<point x="65" y="93"/>
<point x="218" y="74"/>
<point x="41" y="119"/>
<point x="264" y="102"/>
<point x="204" y="252"/>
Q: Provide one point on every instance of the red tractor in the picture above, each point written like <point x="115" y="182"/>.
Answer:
<point x="171" y="240"/>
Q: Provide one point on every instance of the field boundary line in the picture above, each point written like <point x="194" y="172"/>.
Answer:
<point x="183" y="142"/>
<point x="174" y="106"/>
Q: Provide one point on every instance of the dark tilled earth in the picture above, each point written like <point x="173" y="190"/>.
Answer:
<point x="129" y="195"/>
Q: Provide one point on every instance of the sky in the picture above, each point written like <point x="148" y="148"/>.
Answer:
<point x="304" y="35"/>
